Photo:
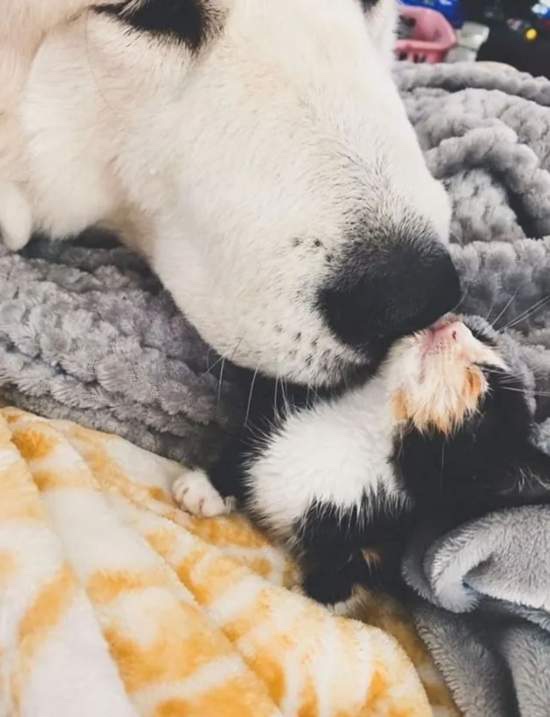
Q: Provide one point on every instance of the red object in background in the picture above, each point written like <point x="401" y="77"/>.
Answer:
<point x="432" y="36"/>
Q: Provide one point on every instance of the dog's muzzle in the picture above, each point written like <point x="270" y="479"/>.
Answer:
<point x="377" y="296"/>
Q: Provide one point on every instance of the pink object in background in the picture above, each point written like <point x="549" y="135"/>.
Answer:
<point x="432" y="37"/>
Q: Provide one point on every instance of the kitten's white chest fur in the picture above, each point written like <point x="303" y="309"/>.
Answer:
<point x="333" y="453"/>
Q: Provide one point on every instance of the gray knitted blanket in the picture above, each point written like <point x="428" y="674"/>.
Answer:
<point x="86" y="333"/>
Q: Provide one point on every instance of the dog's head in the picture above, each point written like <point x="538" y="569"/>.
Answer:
<point x="261" y="155"/>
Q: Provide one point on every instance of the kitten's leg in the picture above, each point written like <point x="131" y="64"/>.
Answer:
<point x="214" y="493"/>
<point x="195" y="494"/>
<point x="228" y="473"/>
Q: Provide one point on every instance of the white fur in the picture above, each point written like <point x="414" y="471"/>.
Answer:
<point x="285" y="126"/>
<point x="333" y="453"/>
<point x="195" y="494"/>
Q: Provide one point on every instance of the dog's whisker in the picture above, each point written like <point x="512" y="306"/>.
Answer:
<point x="207" y="359"/>
<point x="249" y="404"/>
<point x="217" y="362"/>
<point x="220" y="382"/>
<point x="276" y="412"/>
<point x="286" y="401"/>
<point x="236" y="348"/>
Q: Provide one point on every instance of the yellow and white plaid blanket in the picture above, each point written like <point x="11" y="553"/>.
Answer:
<point x="115" y="604"/>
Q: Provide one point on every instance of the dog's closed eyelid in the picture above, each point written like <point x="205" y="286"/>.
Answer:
<point x="190" y="22"/>
<point x="369" y="4"/>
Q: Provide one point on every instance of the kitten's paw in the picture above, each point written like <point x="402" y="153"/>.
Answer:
<point x="15" y="217"/>
<point x="195" y="494"/>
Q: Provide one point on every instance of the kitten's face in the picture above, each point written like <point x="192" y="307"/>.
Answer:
<point x="464" y="415"/>
<point x="440" y="377"/>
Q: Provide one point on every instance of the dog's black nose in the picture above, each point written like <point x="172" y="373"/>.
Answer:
<point x="377" y="296"/>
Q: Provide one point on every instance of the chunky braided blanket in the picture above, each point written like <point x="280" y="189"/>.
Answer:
<point x="113" y="603"/>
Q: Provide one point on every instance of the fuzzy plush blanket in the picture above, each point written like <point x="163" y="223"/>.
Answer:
<point x="87" y="334"/>
<point x="113" y="603"/>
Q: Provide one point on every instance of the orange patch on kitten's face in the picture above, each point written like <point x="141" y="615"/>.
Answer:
<point x="476" y="385"/>
<point x="401" y="406"/>
<point x="430" y="412"/>
<point x="438" y="389"/>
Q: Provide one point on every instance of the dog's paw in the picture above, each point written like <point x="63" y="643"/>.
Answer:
<point x="195" y="494"/>
<point x="15" y="217"/>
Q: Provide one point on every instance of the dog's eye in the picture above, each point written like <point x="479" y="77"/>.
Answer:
<point x="190" y="22"/>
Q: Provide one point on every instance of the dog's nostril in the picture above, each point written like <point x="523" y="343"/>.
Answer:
<point x="375" y="299"/>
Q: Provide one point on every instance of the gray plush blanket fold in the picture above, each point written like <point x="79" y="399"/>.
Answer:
<point x="485" y="613"/>
<point x="87" y="334"/>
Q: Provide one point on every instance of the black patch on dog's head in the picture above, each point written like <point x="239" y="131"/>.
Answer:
<point x="190" y="22"/>
<point x="368" y="4"/>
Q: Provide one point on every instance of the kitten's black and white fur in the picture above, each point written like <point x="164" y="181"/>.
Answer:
<point x="443" y="432"/>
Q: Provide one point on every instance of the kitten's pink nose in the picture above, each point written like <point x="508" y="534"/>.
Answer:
<point x="448" y="331"/>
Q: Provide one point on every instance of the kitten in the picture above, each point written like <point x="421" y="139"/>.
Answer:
<point x="443" y="432"/>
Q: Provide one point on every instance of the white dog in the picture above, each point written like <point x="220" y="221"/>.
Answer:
<point x="256" y="151"/>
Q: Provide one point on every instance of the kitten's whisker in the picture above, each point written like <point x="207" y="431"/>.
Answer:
<point x="505" y="309"/>
<point x="528" y="316"/>
<point x="524" y="313"/>
<point x="537" y="306"/>
<point x="499" y="372"/>
<point x="543" y="394"/>
<point x="460" y="302"/>
<point x="488" y="317"/>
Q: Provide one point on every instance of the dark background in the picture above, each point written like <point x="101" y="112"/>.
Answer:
<point x="509" y="45"/>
